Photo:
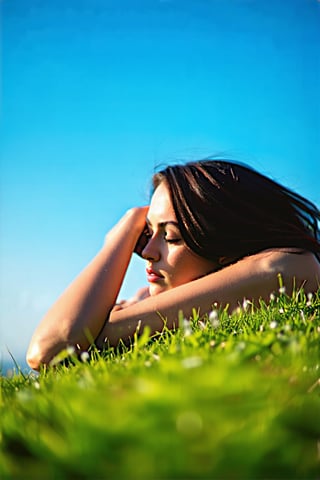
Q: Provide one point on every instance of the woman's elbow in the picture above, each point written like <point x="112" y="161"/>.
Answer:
<point x="38" y="355"/>
<point x="35" y="357"/>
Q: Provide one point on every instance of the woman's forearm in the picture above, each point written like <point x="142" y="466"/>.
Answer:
<point x="252" y="278"/>
<point x="80" y="313"/>
<point x="228" y="286"/>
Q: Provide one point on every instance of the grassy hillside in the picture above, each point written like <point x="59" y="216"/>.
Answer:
<point x="233" y="396"/>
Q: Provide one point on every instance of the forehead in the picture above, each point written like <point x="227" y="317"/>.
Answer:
<point x="161" y="209"/>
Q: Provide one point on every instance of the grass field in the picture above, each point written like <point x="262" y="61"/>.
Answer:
<point x="232" y="396"/>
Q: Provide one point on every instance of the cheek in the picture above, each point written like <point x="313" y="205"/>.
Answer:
<point x="183" y="268"/>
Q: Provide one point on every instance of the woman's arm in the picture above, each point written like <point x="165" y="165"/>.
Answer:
<point x="252" y="278"/>
<point x="80" y="313"/>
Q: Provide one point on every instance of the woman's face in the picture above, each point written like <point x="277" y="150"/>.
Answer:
<point x="169" y="262"/>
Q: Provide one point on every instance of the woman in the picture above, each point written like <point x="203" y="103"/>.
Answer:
<point x="215" y="231"/>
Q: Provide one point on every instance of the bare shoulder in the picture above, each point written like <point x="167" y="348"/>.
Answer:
<point x="297" y="267"/>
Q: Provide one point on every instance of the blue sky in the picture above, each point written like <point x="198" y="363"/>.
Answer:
<point x="96" y="93"/>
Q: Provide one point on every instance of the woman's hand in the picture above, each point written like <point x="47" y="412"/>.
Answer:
<point x="132" y="224"/>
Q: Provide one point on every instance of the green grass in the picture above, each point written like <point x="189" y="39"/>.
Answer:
<point x="234" y="397"/>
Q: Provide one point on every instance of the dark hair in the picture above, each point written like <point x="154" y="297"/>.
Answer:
<point x="226" y="209"/>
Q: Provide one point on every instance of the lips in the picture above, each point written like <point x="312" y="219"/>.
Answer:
<point x="153" y="276"/>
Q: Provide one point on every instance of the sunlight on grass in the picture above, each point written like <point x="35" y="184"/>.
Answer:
<point x="225" y="396"/>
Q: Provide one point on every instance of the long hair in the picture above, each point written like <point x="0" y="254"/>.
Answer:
<point x="226" y="209"/>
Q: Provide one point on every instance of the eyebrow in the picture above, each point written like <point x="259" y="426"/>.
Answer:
<point x="164" y="224"/>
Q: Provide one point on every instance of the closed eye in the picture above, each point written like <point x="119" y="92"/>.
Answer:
<point x="173" y="240"/>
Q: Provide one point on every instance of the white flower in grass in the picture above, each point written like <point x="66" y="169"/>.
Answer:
<point x="282" y="290"/>
<point x="70" y="350"/>
<point x="186" y="326"/>
<point x="202" y="325"/>
<point x="84" y="356"/>
<point x="303" y="318"/>
<point x="272" y="297"/>
<point x="273" y="324"/>
<point x="309" y="301"/>
<point x="245" y="304"/>
<point x="214" y="318"/>
<point x="213" y="315"/>
<point x="281" y="310"/>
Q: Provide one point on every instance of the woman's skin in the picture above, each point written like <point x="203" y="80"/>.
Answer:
<point x="178" y="280"/>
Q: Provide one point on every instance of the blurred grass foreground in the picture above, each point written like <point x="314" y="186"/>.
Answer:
<point x="229" y="396"/>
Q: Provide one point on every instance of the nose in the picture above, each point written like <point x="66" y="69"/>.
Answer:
<point x="151" y="251"/>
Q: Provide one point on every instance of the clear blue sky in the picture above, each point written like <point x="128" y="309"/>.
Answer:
<point x="96" y="93"/>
